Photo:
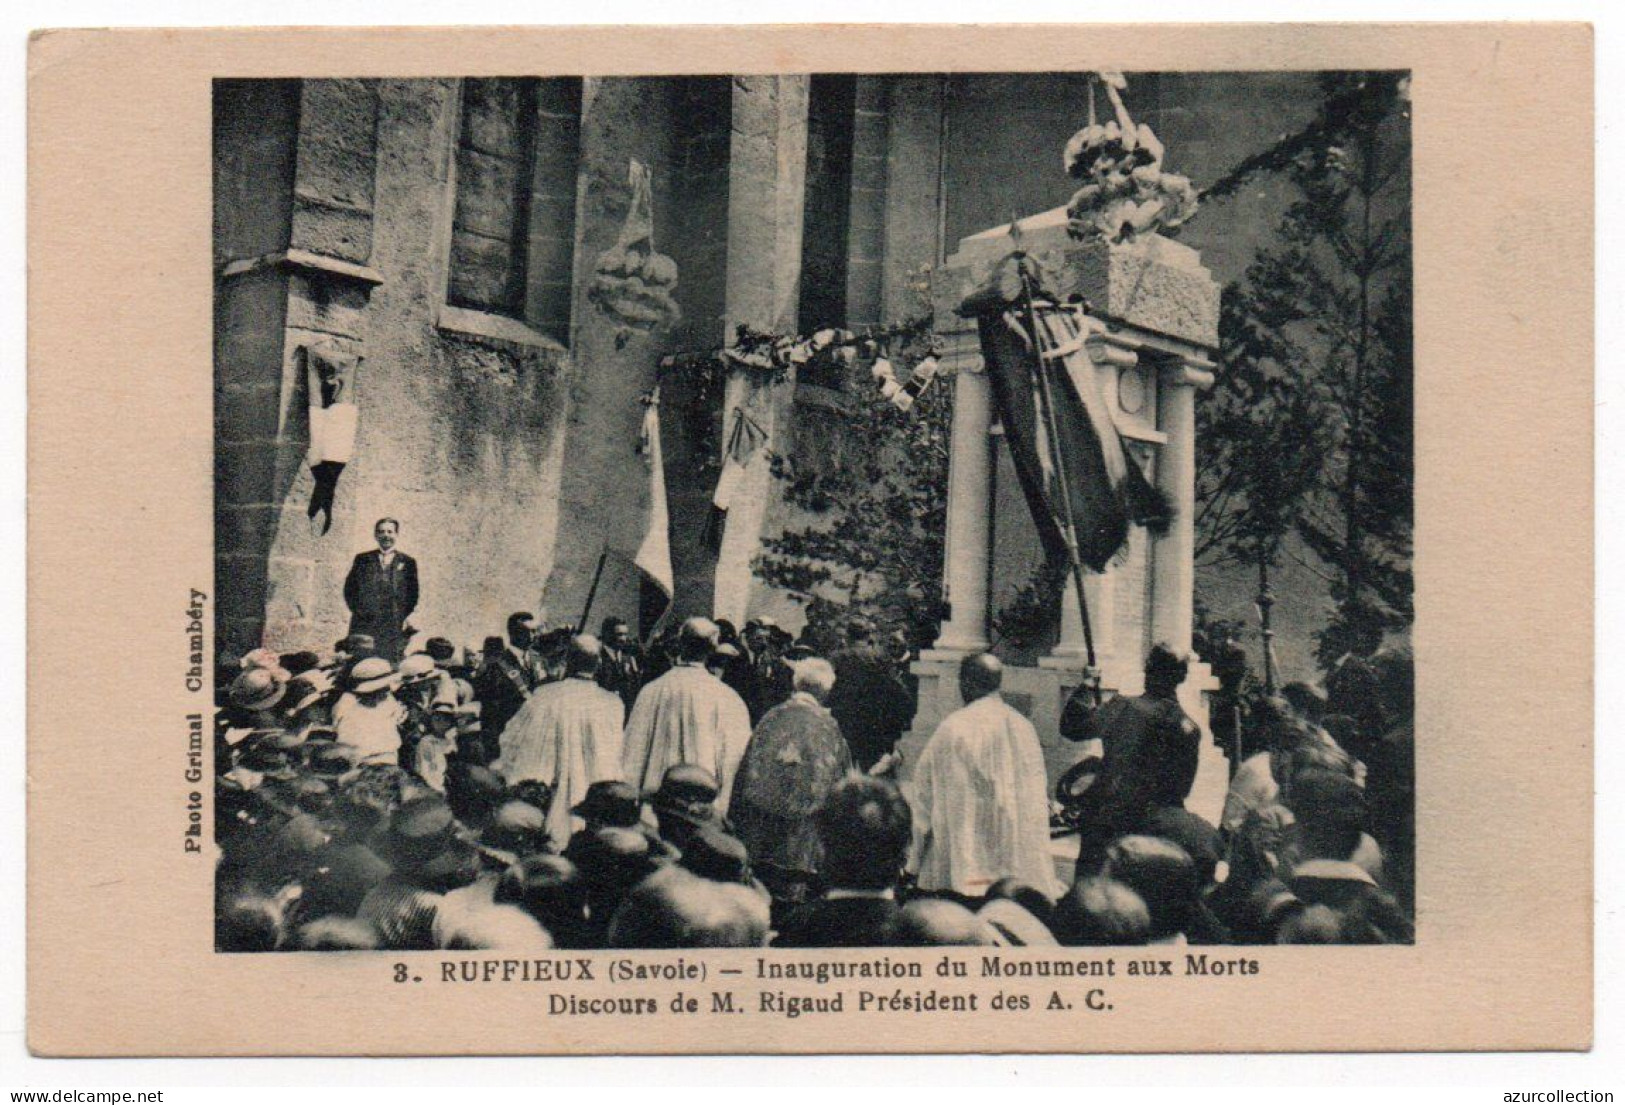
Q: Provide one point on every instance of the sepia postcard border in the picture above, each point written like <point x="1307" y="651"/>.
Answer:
<point x="120" y="958"/>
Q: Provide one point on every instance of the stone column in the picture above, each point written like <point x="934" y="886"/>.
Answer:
<point x="767" y="168"/>
<point x="316" y="284"/>
<point x="1071" y="650"/>
<point x="970" y="486"/>
<point x="1173" y="558"/>
<point x="913" y="189"/>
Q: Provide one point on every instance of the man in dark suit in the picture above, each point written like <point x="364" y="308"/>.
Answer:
<point x="382" y="591"/>
<point x="507" y="676"/>
<point x="1148" y="757"/>
<point x="870" y="704"/>
<point x="622" y="668"/>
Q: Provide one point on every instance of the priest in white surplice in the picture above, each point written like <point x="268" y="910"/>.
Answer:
<point x="980" y="795"/>
<point x="568" y="735"/>
<point x="687" y="716"/>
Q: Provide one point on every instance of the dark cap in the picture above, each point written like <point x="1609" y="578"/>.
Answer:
<point x="540" y="881"/>
<point x="1191" y="832"/>
<point x="713" y="853"/>
<point x="338" y="878"/>
<point x="612" y="857"/>
<point x="306" y="690"/>
<point x="268" y="750"/>
<point x="297" y="663"/>
<point x="418" y="831"/>
<point x="304" y="792"/>
<point x="1327" y="797"/>
<point x="611" y="802"/>
<point x="474" y="792"/>
<point x="687" y="791"/>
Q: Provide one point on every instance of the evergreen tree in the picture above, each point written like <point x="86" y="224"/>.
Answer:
<point x="1330" y="306"/>
<point x="880" y="510"/>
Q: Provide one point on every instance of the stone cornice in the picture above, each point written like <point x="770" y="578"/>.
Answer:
<point x="303" y="260"/>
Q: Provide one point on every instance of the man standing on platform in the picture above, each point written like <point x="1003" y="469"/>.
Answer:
<point x="687" y="716"/>
<point x="980" y="795"/>
<point x="1148" y="757"/>
<point x="382" y="591"/>
<point x="770" y="680"/>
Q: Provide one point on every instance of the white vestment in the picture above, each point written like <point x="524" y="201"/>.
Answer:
<point x="568" y="735"/>
<point x="981" y="803"/>
<point x="375" y="731"/>
<point x="687" y="716"/>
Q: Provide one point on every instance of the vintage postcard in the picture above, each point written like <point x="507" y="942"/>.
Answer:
<point x="850" y="539"/>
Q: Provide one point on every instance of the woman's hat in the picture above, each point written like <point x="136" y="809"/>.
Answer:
<point x="518" y="828"/>
<point x="416" y="668"/>
<point x="372" y="674"/>
<point x="256" y="689"/>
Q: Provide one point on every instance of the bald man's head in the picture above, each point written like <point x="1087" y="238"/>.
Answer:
<point x="937" y="922"/>
<point x="583" y="655"/>
<point x="979" y="676"/>
<point x="696" y="638"/>
<point x="676" y="909"/>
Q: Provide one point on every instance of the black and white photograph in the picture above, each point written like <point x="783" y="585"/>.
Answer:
<point x="830" y="510"/>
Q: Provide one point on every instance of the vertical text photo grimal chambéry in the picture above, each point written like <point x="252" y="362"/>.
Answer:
<point x="813" y="510"/>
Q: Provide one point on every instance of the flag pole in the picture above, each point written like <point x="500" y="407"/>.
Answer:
<point x="592" y="592"/>
<point x="1070" y="528"/>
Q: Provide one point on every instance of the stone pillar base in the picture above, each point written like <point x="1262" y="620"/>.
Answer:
<point x="1212" y="769"/>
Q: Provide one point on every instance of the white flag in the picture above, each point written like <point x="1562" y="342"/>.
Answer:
<point x="653" y="554"/>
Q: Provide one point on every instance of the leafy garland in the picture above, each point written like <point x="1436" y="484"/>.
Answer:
<point x="767" y="359"/>
<point x="1027" y="620"/>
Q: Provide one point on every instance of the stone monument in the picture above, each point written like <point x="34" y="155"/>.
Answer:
<point x="1159" y="309"/>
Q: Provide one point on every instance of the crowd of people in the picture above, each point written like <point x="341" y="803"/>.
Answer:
<point x="559" y="789"/>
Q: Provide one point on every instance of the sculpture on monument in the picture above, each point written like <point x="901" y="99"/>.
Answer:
<point x="1127" y="193"/>
<point x="632" y="281"/>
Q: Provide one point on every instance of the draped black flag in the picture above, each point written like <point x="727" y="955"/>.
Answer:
<point x="1055" y="420"/>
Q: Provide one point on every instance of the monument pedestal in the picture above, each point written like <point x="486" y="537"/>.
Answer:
<point x="1158" y="311"/>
